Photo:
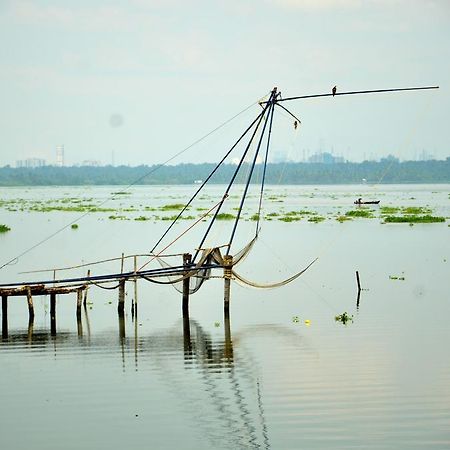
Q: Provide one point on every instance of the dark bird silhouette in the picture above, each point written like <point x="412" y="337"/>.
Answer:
<point x="295" y="124"/>
<point x="333" y="91"/>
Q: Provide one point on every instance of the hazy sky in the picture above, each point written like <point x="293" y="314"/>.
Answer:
<point x="144" y="78"/>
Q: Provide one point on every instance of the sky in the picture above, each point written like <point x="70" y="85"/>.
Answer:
<point x="137" y="81"/>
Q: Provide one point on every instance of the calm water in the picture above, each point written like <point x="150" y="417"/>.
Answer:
<point x="264" y="378"/>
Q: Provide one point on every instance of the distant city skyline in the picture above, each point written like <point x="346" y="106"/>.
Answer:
<point x="136" y="82"/>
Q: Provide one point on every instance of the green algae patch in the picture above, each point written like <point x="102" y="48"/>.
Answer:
<point x="290" y="218"/>
<point x="389" y="209"/>
<point x="225" y="216"/>
<point x="74" y="226"/>
<point x="343" y="218"/>
<point x="344" y="318"/>
<point x="316" y="219"/>
<point x="4" y="228"/>
<point x="363" y="213"/>
<point x="141" y="218"/>
<point x="414" y="219"/>
<point x="416" y="210"/>
<point x="172" y="207"/>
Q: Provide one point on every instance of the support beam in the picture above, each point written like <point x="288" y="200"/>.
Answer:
<point x="187" y="258"/>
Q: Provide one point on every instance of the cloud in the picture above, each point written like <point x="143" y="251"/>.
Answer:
<point x="317" y="5"/>
<point x="93" y="18"/>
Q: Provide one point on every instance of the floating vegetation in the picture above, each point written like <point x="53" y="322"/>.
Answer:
<point x="389" y="209"/>
<point x="395" y="277"/>
<point x="414" y="219"/>
<point x="274" y="214"/>
<point x="225" y="216"/>
<point x="117" y="217"/>
<point x="217" y="324"/>
<point x="361" y="212"/>
<point x="121" y="193"/>
<point x="343" y="218"/>
<point x="172" y="207"/>
<point x="4" y="228"/>
<point x="295" y="319"/>
<point x="254" y="217"/>
<point x="416" y="210"/>
<point x="142" y="218"/>
<point x="316" y="219"/>
<point x="290" y="218"/>
<point x="74" y="226"/>
<point x="344" y="318"/>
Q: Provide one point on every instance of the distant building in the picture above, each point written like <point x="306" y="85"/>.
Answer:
<point x="60" y="156"/>
<point x="325" y="158"/>
<point x="31" y="163"/>
<point x="91" y="163"/>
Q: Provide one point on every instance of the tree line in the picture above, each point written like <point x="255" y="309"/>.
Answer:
<point x="433" y="171"/>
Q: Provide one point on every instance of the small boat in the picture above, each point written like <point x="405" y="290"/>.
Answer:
<point x="372" y="202"/>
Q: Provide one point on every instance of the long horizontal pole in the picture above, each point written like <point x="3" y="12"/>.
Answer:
<point x="374" y="91"/>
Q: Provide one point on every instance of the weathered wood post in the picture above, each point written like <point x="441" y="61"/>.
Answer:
<point x="86" y="290"/>
<point x="228" y="266"/>
<point x="121" y="302"/>
<point x="30" y="304"/>
<point x="134" y="304"/>
<point x="79" y="302"/>
<point x="4" y="316"/>
<point x="187" y="258"/>
<point x="53" y="314"/>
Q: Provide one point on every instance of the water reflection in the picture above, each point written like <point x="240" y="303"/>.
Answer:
<point x="199" y="368"/>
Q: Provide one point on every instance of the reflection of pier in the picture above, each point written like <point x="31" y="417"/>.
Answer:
<point x="200" y="370"/>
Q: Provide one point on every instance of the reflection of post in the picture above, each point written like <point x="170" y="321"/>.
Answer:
<point x="187" y="335"/>
<point x="30" y="329"/>
<point x="228" y="265"/>
<point x="4" y="316"/>
<point x="187" y="258"/>
<point x="53" y="314"/>
<point x="79" y="325"/>
<point x="30" y="304"/>
<point x="228" y="351"/>
<point x="121" y="303"/>
<point x="121" y="326"/>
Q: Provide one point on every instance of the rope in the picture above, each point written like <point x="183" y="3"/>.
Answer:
<point x="154" y="169"/>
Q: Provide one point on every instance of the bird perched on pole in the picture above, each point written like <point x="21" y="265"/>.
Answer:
<point x="333" y="91"/>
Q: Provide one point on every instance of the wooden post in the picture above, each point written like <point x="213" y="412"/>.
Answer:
<point x="53" y="314"/>
<point x="357" y="280"/>
<point x="87" y="288"/>
<point x="4" y="316"/>
<point x="30" y="304"/>
<point x="187" y="258"/>
<point x="228" y="266"/>
<point x="121" y="263"/>
<point x="79" y="302"/>
<point x="134" y="306"/>
<point x="121" y="302"/>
